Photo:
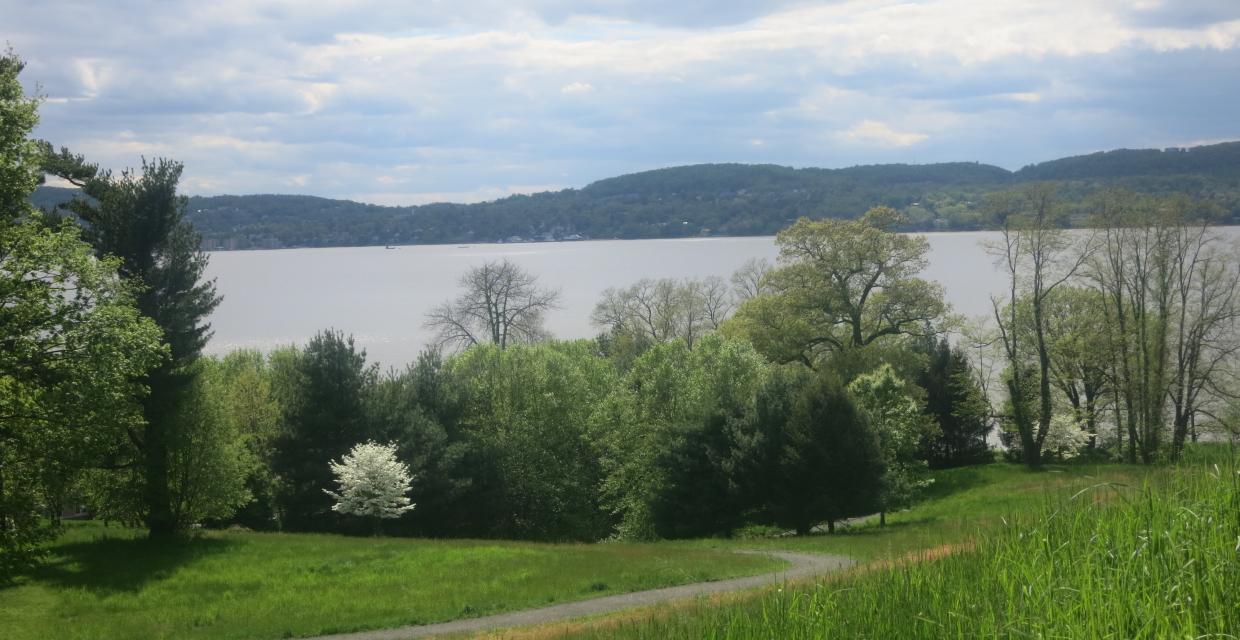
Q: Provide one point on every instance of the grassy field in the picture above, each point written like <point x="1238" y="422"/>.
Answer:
<point x="1074" y="552"/>
<point x="109" y="583"/>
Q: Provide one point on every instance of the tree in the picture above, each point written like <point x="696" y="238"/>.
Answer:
<point x="1038" y="256"/>
<point x="324" y="388"/>
<point x="654" y="311"/>
<point x="1169" y="286"/>
<point x="749" y="281"/>
<point x="501" y="304"/>
<point x="958" y="404"/>
<point x="19" y="155"/>
<point x="822" y="462"/>
<point x="883" y="400"/>
<point x="526" y="409"/>
<point x="372" y="483"/>
<point x="139" y="218"/>
<point x="72" y="347"/>
<point x="841" y="284"/>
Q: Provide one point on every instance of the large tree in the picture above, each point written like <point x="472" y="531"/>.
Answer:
<point x="841" y="285"/>
<point x="71" y="346"/>
<point x="500" y="303"/>
<point x="139" y="218"/>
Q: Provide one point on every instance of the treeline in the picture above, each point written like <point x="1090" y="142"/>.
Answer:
<point x="713" y="199"/>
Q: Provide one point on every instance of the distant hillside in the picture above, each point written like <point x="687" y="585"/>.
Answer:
<point x="697" y="200"/>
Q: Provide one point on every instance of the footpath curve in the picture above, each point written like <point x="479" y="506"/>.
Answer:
<point x="803" y="565"/>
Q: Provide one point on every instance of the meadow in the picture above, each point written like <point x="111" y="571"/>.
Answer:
<point x="113" y="583"/>
<point x="996" y="551"/>
<point x="1070" y="552"/>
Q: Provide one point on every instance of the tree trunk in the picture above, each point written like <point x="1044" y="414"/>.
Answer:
<point x="159" y="519"/>
<point x="882" y="518"/>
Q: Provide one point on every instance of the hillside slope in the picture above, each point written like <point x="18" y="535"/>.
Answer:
<point x="707" y="199"/>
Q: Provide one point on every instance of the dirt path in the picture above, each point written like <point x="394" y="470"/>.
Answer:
<point x="803" y="565"/>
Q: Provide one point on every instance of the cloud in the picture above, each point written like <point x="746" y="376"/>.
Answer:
<point x="480" y="95"/>
<point x="882" y="134"/>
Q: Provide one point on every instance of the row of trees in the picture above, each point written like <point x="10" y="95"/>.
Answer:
<point x="1126" y="332"/>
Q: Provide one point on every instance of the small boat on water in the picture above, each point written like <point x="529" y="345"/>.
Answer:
<point x="389" y="247"/>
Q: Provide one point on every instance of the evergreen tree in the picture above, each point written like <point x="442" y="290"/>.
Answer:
<point x="324" y="418"/>
<point x="955" y="401"/>
<point x="139" y="218"/>
<point x="820" y="460"/>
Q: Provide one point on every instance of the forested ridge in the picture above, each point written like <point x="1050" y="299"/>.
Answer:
<point x="708" y="199"/>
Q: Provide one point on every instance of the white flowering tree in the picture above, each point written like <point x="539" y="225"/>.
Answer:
<point x="373" y="483"/>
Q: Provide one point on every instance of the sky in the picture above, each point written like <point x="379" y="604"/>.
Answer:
<point x="470" y="100"/>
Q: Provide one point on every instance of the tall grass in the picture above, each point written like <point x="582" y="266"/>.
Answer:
<point x="1160" y="560"/>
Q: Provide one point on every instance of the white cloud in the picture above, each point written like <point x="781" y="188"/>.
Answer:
<point x="577" y="87"/>
<point x="880" y="133"/>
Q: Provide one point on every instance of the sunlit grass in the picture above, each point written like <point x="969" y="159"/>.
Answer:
<point x="109" y="583"/>
<point x="1155" y="556"/>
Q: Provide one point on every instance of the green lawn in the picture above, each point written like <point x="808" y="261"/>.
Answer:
<point x="109" y="583"/>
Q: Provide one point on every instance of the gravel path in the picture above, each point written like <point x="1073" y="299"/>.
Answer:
<point x="803" y="565"/>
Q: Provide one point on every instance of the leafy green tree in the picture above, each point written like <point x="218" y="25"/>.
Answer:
<point x="325" y="415"/>
<point x="72" y="345"/>
<point x="840" y="285"/>
<point x="208" y="463"/>
<point x="526" y="408"/>
<point x="673" y="404"/>
<point x="255" y="414"/>
<point x="884" y="401"/>
<point x="20" y="171"/>
<point x="419" y="409"/>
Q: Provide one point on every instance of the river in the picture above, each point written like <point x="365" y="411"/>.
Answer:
<point x="381" y="296"/>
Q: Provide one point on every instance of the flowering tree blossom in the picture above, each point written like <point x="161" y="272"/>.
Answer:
<point x="372" y="482"/>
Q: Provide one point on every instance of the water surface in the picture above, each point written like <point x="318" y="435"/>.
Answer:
<point x="381" y="296"/>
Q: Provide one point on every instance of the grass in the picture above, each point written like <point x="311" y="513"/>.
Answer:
<point x="1115" y="552"/>
<point x="110" y="583"/>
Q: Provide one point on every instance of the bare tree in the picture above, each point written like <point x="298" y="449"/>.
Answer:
<point x="501" y="303"/>
<point x="665" y="309"/>
<point x="750" y="281"/>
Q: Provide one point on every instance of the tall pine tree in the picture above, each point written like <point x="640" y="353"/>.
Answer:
<point x="139" y="218"/>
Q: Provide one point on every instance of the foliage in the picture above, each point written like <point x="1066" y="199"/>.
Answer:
<point x="525" y="409"/>
<point x="841" y="285"/>
<point x="208" y="462"/>
<point x="672" y="404"/>
<point x="139" y="218"/>
<point x="372" y="482"/>
<point x="884" y="401"/>
<point x="819" y="460"/>
<point x="19" y="155"/>
<point x="957" y="404"/>
<point x="71" y="347"/>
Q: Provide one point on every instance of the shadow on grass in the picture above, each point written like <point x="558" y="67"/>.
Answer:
<point x="951" y="481"/>
<point x="115" y="565"/>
